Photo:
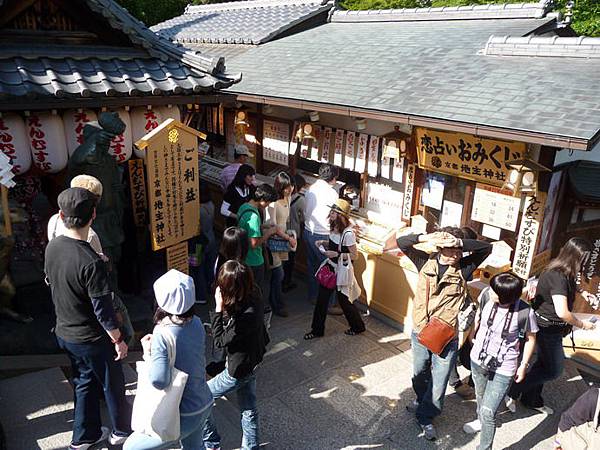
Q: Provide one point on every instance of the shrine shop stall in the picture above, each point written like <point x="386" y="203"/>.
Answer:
<point x="61" y="68"/>
<point x="418" y="153"/>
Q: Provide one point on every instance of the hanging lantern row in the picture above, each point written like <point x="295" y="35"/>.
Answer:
<point x="47" y="140"/>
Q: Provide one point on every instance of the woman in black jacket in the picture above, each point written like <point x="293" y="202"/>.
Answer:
<point x="238" y="192"/>
<point x="238" y="327"/>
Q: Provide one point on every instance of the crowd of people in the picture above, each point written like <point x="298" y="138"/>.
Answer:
<point x="510" y="344"/>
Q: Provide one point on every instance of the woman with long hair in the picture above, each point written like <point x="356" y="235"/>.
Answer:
<point x="277" y="214"/>
<point x="238" y="192"/>
<point x="238" y="328"/>
<point x="341" y="243"/>
<point x="175" y="296"/>
<point x="553" y="303"/>
<point x="234" y="246"/>
<point x="503" y="320"/>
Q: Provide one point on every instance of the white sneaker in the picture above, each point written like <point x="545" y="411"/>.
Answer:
<point x="472" y="427"/>
<point x="103" y="437"/>
<point x="511" y="404"/>
<point x="545" y="410"/>
<point x="429" y="432"/>
<point x="114" y="439"/>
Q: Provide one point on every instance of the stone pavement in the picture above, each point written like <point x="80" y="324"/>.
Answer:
<point x="337" y="392"/>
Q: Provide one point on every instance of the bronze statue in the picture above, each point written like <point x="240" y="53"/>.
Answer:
<point x="92" y="158"/>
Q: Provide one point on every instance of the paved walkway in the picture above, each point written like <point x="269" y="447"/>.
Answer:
<point x="337" y="392"/>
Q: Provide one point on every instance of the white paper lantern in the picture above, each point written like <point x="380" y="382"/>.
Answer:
<point x="74" y="121"/>
<point x="14" y="142"/>
<point x="47" y="142"/>
<point x="143" y="121"/>
<point x="169" y="112"/>
<point x="121" y="147"/>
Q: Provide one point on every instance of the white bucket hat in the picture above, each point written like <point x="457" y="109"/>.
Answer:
<point x="175" y="292"/>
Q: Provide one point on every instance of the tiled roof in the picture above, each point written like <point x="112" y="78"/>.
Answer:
<point x="567" y="47"/>
<point x="242" y="22"/>
<point x="430" y="70"/>
<point x="151" y="66"/>
<point x="471" y="12"/>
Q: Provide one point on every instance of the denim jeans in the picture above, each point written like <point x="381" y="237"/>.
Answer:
<point x="222" y="385"/>
<point x="275" y="291"/>
<point x="549" y="365"/>
<point x="490" y="389"/>
<point x="430" y="377"/>
<point x="96" y="372"/>
<point x="313" y="259"/>
<point x="192" y="435"/>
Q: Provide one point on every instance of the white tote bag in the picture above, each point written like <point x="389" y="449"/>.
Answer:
<point x="156" y="411"/>
<point x="343" y="271"/>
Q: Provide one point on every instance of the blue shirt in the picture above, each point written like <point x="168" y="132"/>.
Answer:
<point x="190" y="340"/>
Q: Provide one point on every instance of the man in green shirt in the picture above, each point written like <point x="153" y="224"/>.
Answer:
<point x="249" y="218"/>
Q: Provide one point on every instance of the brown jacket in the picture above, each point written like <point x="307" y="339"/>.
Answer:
<point x="445" y="297"/>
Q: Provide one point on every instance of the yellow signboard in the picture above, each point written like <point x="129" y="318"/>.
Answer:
<point x="177" y="258"/>
<point x="173" y="182"/>
<point x="466" y="156"/>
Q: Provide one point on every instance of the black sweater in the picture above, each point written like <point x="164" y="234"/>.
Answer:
<point x="243" y="336"/>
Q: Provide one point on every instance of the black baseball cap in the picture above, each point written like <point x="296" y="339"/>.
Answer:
<point x="77" y="203"/>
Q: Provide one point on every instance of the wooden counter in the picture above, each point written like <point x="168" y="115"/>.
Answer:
<point x="388" y="284"/>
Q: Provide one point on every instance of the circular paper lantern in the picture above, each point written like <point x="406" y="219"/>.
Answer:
<point x="46" y="135"/>
<point x="169" y="112"/>
<point x="14" y="142"/>
<point x="143" y="121"/>
<point x="74" y="121"/>
<point x="121" y="147"/>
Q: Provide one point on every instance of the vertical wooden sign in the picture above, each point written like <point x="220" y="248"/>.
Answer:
<point x="408" y="192"/>
<point x="533" y="214"/>
<point x="137" y="182"/>
<point x="177" y="257"/>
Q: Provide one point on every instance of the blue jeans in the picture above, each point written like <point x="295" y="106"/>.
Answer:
<point x="430" y="377"/>
<point x="275" y="291"/>
<point x="313" y="259"/>
<point x="490" y="389"/>
<point x="549" y="365"/>
<point x="96" y="373"/>
<point x="192" y="433"/>
<point x="222" y="385"/>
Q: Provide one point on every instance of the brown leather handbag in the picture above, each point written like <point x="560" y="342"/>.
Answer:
<point x="437" y="334"/>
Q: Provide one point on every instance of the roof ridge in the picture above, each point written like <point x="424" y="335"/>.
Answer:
<point x="542" y="46"/>
<point x="485" y="11"/>
<point x="248" y="4"/>
<point x="157" y="46"/>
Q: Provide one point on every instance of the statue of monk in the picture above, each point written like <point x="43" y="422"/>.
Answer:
<point x="92" y="158"/>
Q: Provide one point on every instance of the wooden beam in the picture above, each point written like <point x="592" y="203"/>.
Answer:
<point x="12" y="8"/>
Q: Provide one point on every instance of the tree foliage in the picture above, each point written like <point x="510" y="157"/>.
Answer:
<point x="586" y="13"/>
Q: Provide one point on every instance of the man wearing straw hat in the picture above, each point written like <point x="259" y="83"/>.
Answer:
<point x="441" y="292"/>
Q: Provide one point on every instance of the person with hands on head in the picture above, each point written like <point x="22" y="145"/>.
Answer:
<point x="553" y="302"/>
<point x="341" y="243"/>
<point x="86" y="325"/>
<point x="175" y="296"/>
<point x="502" y="323"/>
<point x="441" y="292"/>
<point x="238" y="327"/>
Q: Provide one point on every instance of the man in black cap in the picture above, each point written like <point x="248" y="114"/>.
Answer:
<point x="86" y="325"/>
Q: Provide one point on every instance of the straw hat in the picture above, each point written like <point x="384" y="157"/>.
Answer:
<point x="341" y="206"/>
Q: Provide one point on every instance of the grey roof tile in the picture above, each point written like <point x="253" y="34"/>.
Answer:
<point x="379" y="65"/>
<point x="243" y="22"/>
<point x="152" y="65"/>
<point x="567" y="47"/>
